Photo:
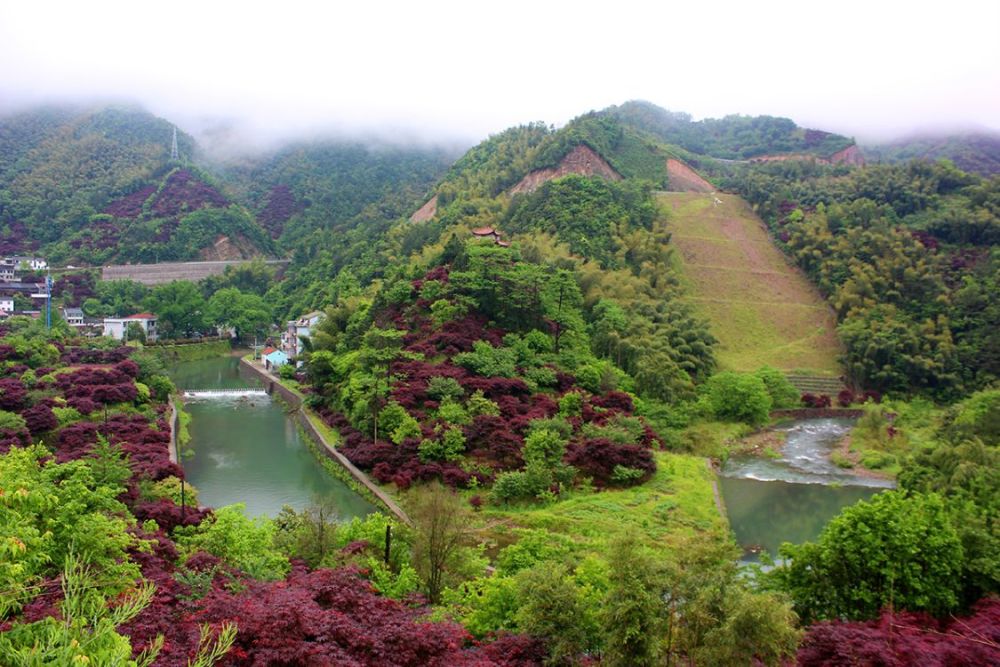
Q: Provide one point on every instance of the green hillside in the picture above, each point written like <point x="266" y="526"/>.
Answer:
<point x="733" y="137"/>
<point x="762" y="310"/>
<point x="978" y="153"/>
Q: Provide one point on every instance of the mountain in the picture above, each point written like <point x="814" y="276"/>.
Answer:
<point x="92" y="186"/>
<point x="733" y="137"/>
<point x="978" y="153"/>
<point x="96" y="185"/>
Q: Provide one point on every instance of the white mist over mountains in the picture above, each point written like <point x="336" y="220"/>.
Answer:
<point x="247" y="74"/>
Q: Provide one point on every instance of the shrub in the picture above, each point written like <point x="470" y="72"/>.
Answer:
<point x="783" y="394"/>
<point x="453" y="413"/>
<point x="488" y="361"/>
<point x="571" y="404"/>
<point x="600" y="458"/>
<point x="845" y="398"/>
<point x="39" y="419"/>
<point x="738" y="397"/>
<point x="448" y="447"/>
<point x="479" y="405"/>
<point x="557" y="425"/>
<point x="439" y="388"/>
<point x="813" y="401"/>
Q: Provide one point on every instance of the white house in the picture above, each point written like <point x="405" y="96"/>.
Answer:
<point x="116" y="327"/>
<point x="290" y="343"/>
<point x="7" y="304"/>
<point x="33" y="263"/>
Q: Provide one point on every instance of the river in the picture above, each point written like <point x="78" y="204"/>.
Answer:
<point x="790" y="499"/>
<point x="248" y="450"/>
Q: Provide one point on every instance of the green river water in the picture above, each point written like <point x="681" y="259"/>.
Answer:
<point x="247" y="450"/>
<point x="791" y="498"/>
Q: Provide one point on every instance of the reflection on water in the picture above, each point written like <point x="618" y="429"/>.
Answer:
<point x="248" y="450"/>
<point x="791" y="498"/>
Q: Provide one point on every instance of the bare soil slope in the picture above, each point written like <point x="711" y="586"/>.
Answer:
<point x="761" y="308"/>
<point x="581" y="160"/>
<point x="682" y="178"/>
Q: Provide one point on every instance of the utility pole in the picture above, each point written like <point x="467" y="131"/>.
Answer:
<point x="48" y="301"/>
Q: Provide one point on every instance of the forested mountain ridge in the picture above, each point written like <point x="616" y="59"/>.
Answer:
<point x="976" y="152"/>
<point x="96" y="185"/>
<point x="907" y="256"/>
<point x="733" y="137"/>
<point x="91" y="186"/>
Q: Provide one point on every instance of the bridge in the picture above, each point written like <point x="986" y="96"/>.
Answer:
<point x="166" y="272"/>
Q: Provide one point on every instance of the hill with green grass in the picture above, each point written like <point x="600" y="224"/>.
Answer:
<point x="760" y="307"/>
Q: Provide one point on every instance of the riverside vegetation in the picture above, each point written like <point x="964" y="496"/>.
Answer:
<point x="543" y="409"/>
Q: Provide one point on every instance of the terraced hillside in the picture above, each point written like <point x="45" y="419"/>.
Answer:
<point x="761" y="308"/>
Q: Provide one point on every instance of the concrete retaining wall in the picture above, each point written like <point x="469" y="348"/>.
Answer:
<point x="817" y="413"/>
<point x="273" y="386"/>
<point x="174" y="428"/>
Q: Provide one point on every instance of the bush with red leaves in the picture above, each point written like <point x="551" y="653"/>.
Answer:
<point x="281" y="205"/>
<point x="903" y="639"/>
<point x="130" y="206"/>
<point x="39" y="419"/>
<point x="845" y="398"/>
<point x="598" y="458"/>
<point x="168" y="515"/>
<point x="872" y="396"/>
<point x="184" y="192"/>
<point x="13" y="438"/>
<point x="325" y="617"/>
<point x="86" y="355"/>
<point x="13" y="395"/>
<point x="814" y="401"/>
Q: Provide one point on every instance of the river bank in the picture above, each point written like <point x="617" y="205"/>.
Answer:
<point x="791" y="491"/>
<point x="246" y="448"/>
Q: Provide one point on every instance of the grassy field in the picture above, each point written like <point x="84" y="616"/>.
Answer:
<point x="677" y="503"/>
<point x="760" y="307"/>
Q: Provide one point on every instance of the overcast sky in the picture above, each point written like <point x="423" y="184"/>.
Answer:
<point x="463" y="70"/>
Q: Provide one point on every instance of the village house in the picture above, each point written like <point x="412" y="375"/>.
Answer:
<point x="11" y="264"/>
<point x="73" y="316"/>
<point x="273" y="358"/>
<point x="6" y="304"/>
<point x="290" y="343"/>
<point x="117" y="327"/>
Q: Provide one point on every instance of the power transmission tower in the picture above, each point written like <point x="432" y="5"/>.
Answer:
<point x="173" y="148"/>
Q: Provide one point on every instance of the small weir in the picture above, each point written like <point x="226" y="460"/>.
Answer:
<point x="224" y="393"/>
<point x="247" y="449"/>
<point x="790" y="498"/>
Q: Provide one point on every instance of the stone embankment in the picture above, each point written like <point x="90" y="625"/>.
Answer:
<point x="272" y="385"/>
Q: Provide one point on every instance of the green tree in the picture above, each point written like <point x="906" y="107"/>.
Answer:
<point x="442" y="531"/>
<point x="552" y="607"/>
<point x="247" y="314"/>
<point x="633" y="613"/>
<point x="738" y="397"/>
<point x="893" y="550"/>
<point x="246" y="544"/>
<point x="179" y="307"/>
<point x="87" y="632"/>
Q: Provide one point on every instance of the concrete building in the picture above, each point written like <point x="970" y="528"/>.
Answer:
<point x="73" y="316"/>
<point x="117" y="327"/>
<point x="290" y="343"/>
